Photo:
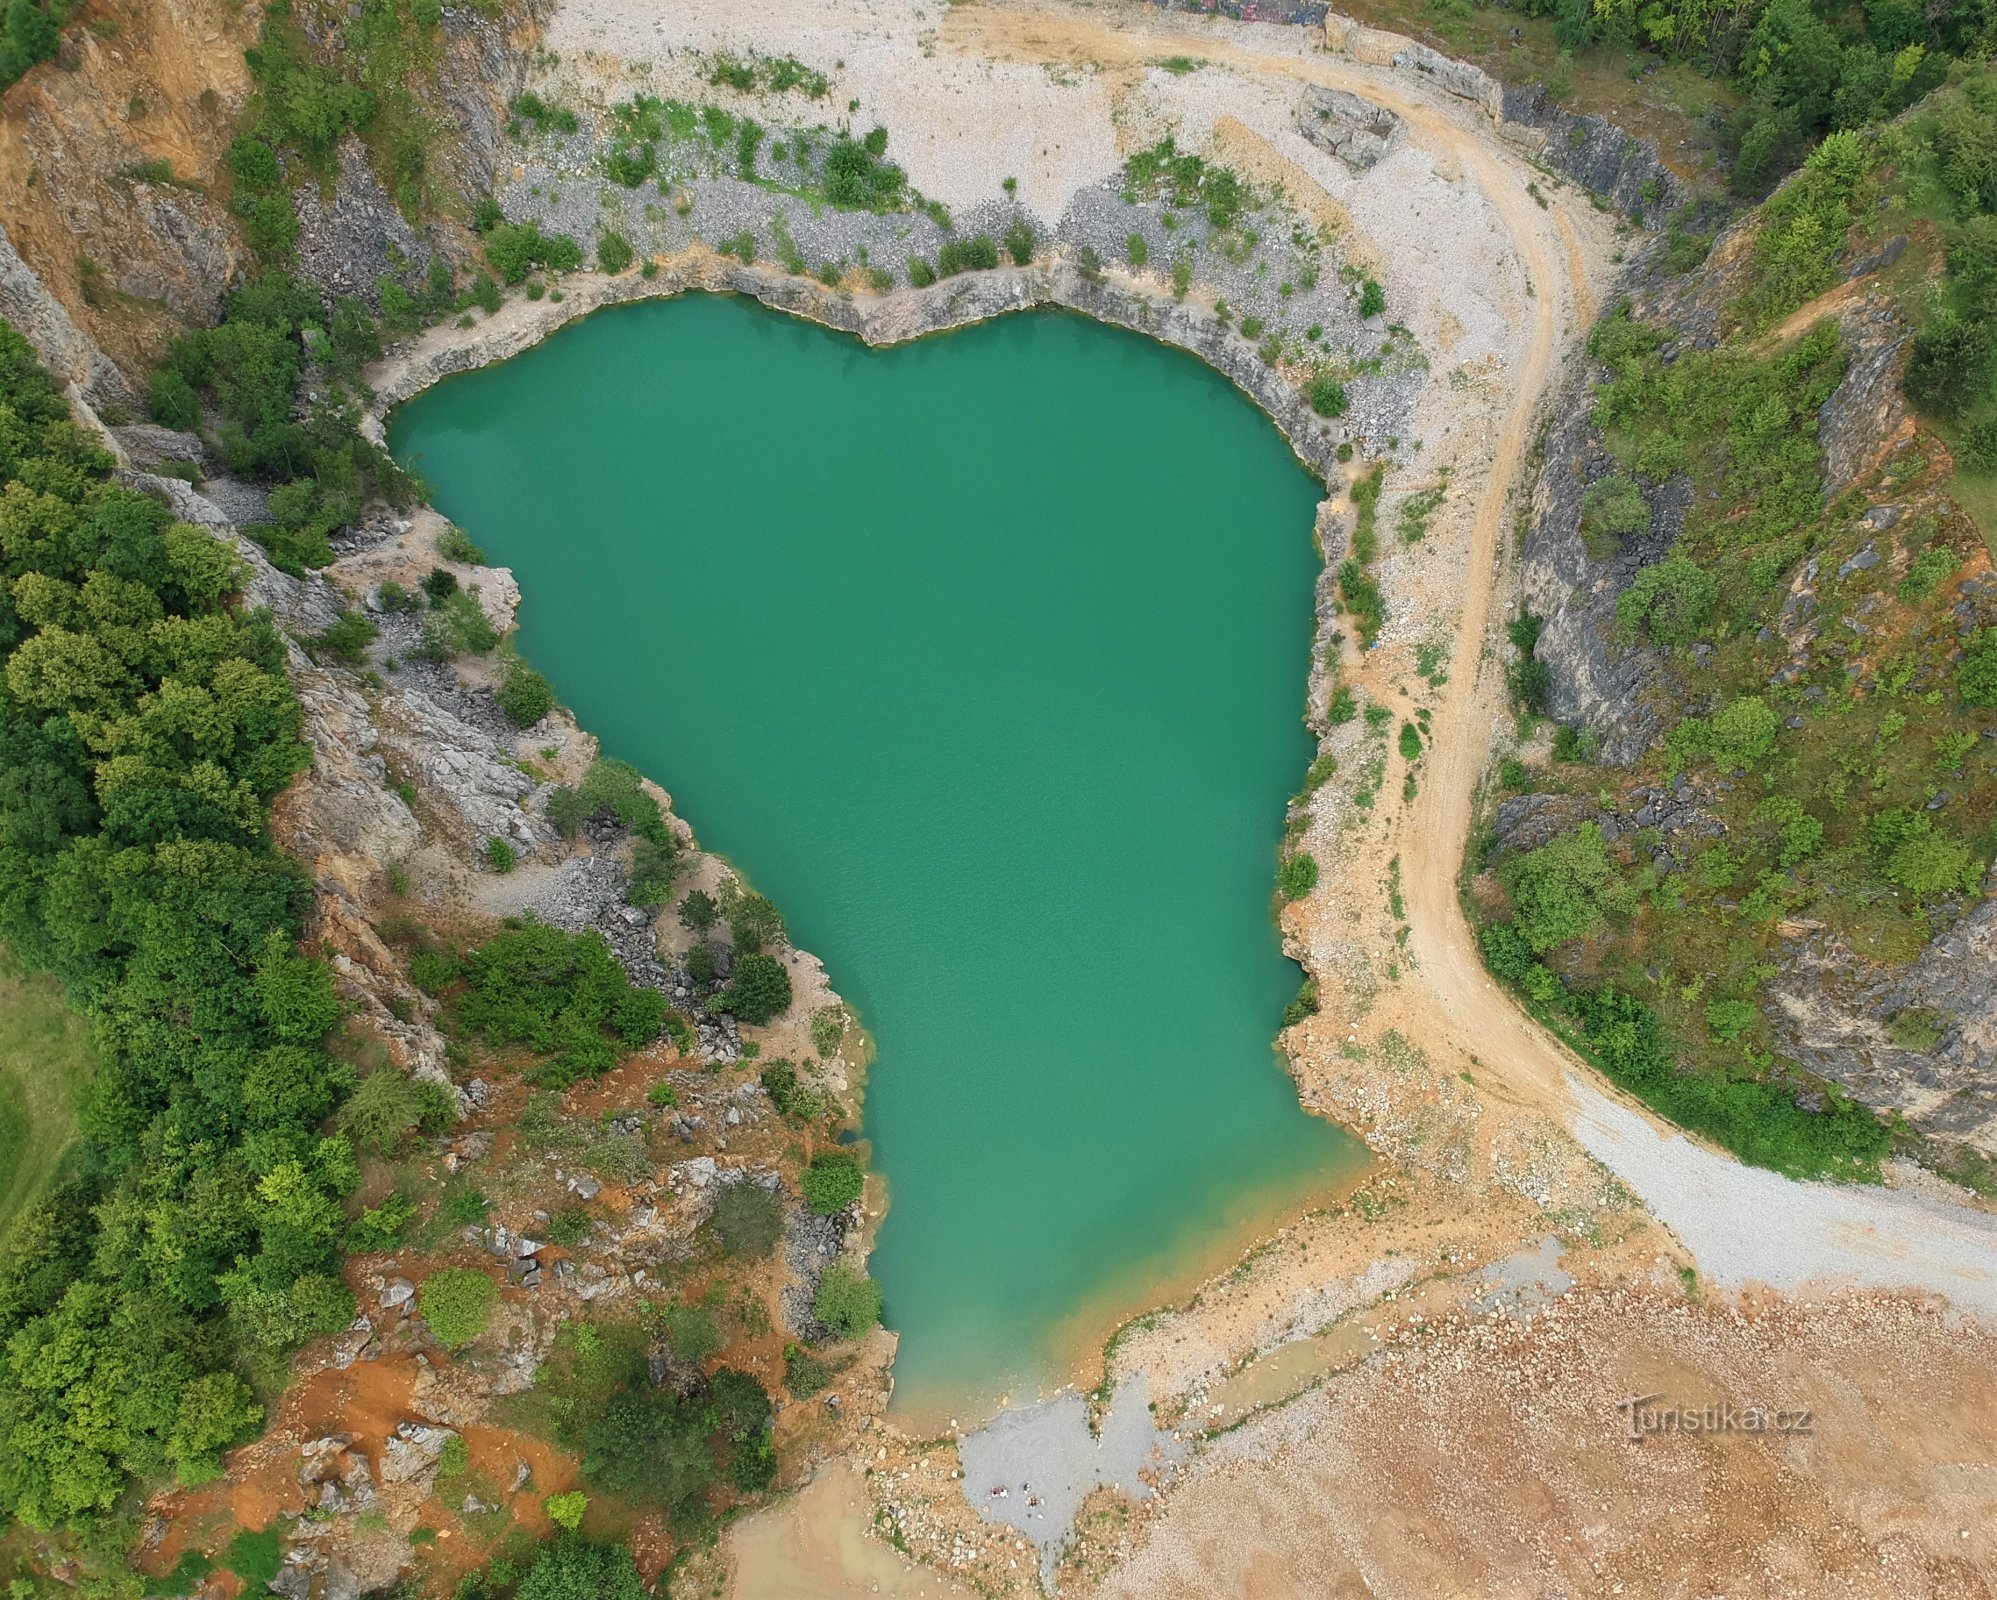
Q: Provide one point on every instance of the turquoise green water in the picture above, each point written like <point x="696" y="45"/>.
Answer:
<point x="983" y="658"/>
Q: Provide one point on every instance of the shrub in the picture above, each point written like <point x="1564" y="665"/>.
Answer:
<point x="572" y="1569"/>
<point x="755" y="922"/>
<point x="1327" y="395"/>
<point x="977" y="253"/>
<point x="524" y="695"/>
<point x="557" y="993"/>
<point x="1949" y="364"/>
<point x="1137" y="250"/>
<point x="457" y="626"/>
<point x="1669" y="601"/>
<point x="833" y="1181"/>
<point x="1613" y="510"/>
<point x="380" y="1227"/>
<point x="1410" y="742"/>
<point x="500" y="854"/>
<point x="1344" y="705"/>
<point x="1729" y="1019"/>
<point x="652" y="867"/>
<point x="787" y="1094"/>
<point x="856" y="176"/>
<point x="453" y="544"/>
<point x="517" y="248"/>
<point x="1363" y="600"/>
<point x="1372" y="299"/>
<point x="804" y="1374"/>
<point x="1531" y="683"/>
<point x="382" y="1112"/>
<point x="348" y="638"/>
<point x="848" y="1302"/>
<point x="698" y="911"/>
<point x="920" y="273"/>
<point x="567" y="811"/>
<point x="749" y="1221"/>
<point x="458" y="1304"/>
<point x="1296" y="876"/>
<point x="1927" y="572"/>
<point x="759" y="991"/>
<point x="566" y="1510"/>
<point x="1556" y="890"/>
<point x="1976" y="676"/>
<point x="1019" y="241"/>
<point x="613" y="251"/>
<point x="1182" y="277"/>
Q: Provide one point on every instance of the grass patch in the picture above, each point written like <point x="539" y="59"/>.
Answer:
<point x="45" y="1060"/>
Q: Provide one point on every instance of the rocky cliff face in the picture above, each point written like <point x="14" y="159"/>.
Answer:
<point x="1917" y="1036"/>
<point x="1595" y="153"/>
<point x="1599" y="681"/>
<point x="113" y="191"/>
<point x="111" y="172"/>
<point x="1921" y="1039"/>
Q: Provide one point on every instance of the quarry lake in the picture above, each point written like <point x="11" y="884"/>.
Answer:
<point x="983" y="657"/>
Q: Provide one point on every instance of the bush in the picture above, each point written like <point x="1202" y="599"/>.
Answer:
<point x="1976" y="676"/>
<point x="457" y="626"/>
<point x="1327" y="395"/>
<point x="787" y="1094"/>
<point x="804" y="1374"/>
<point x="976" y="254"/>
<point x="1296" y="875"/>
<point x="1019" y="241"/>
<point x="698" y="911"/>
<point x="652" y="868"/>
<point x="1556" y="890"/>
<point x="616" y="787"/>
<point x="572" y="1569"/>
<point x="524" y="695"/>
<point x="1729" y="1019"/>
<point x="856" y="176"/>
<point x="1410" y="742"/>
<point x="759" y="991"/>
<point x="458" y="1304"/>
<point x="453" y="544"/>
<point x="833" y="1181"/>
<point x="566" y="1510"/>
<point x="749" y="1221"/>
<point x="517" y="248"/>
<point x="1613" y="510"/>
<point x="382" y="1112"/>
<point x="1344" y="706"/>
<point x="1949" y="364"/>
<point x="1669" y="601"/>
<point x="1363" y="600"/>
<point x="1372" y="299"/>
<point x="500" y="854"/>
<point x="348" y="638"/>
<point x="613" y="251"/>
<point x="559" y="994"/>
<point x="848" y="1302"/>
<point x="920" y="273"/>
<point x="1137" y="250"/>
<point x="755" y="922"/>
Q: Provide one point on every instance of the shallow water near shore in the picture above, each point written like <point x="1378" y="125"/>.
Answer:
<point x="983" y="658"/>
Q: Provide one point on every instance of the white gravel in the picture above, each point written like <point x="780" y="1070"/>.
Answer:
<point x="1745" y="1225"/>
